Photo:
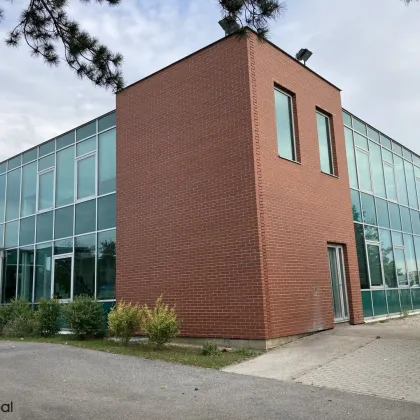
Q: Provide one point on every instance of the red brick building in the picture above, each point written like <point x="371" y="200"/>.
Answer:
<point x="215" y="214"/>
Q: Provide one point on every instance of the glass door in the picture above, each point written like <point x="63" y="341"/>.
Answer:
<point x="62" y="284"/>
<point x="338" y="283"/>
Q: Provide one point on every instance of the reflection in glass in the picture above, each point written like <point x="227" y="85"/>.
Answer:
<point x="2" y="196"/>
<point x="377" y="169"/>
<point x="363" y="170"/>
<point x="10" y="276"/>
<point x="27" y="231"/>
<point x="324" y="141"/>
<point x="394" y="214"/>
<point x="405" y="219"/>
<point x="30" y="155"/>
<point x="11" y="234"/>
<point x="46" y="148"/>
<point x="410" y="255"/>
<point x="351" y="158"/>
<point x="44" y="227"/>
<point x="411" y="184"/>
<point x="401" y="185"/>
<point x="106" y="265"/>
<point x="374" y="265"/>
<point x="382" y="210"/>
<point x="391" y="189"/>
<point x="368" y="209"/>
<point x="28" y="200"/>
<point x="284" y="125"/>
<point x="106" y="212"/>
<point x="13" y="195"/>
<point x="63" y="246"/>
<point x="84" y="265"/>
<point x="401" y="268"/>
<point x="65" y="140"/>
<point x="46" y="190"/>
<point x="85" y="217"/>
<point x="43" y="268"/>
<point x="388" y="261"/>
<point x="63" y="225"/>
<point x="86" y="131"/>
<point x="107" y="162"/>
<point x="26" y="272"/>
<point x="107" y="121"/>
<point x="65" y="177"/>
<point x="86" y="177"/>
<point x="371" y="233"/>
<point x="361" y="256"/>
<point x="415" y="218"/>
<point x="355" y="201"/>
<point x="62" y="278"/>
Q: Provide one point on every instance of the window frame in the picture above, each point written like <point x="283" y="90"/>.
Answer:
<point x="366" y="152"/>
<point x="43" y="172"/>
<point x="330" y="143"/>
<point x="76" y="163"/>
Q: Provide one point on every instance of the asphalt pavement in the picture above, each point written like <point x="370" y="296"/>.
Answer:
<point x="55" y="382"/>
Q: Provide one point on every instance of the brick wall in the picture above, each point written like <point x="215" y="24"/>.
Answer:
<point x="300" y="209"/>
<point x="186" y="209"/>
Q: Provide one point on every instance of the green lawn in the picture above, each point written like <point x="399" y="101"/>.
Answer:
<point x="177" y="354"/>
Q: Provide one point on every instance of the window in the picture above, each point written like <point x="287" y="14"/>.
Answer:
<point x="351" y="158"/>
<point x="374" y="265"/>
<point x="15" y="162"/>
<point x="46" y="190"/>
<point x="43" y="261"/>
<point x="377" y="169"/>
<point x="373" y="134"/>
<point x="387" y="156"/>
<point x="10" y="276"/>
<point x="388" y="261"/>
<point x="106" y="212"/>
<point x="106" y="265"/>
<point x="401" y="267"/>
<point x="86" y="146"/>
<point x="363" y="167"/>
<point x="84" y="265"/>
<point x="405" y="219"/>
<point x="355" y="202"/>
<point x="65" y="140"/>
<point x="391" y="189"/>
<point x="63" y="246"/>
<point x="11" y="234"/>
<point x="415" y="219"/>
<point x="2" y="196"/>
<point x="396" y="148"/>
<point x="65" y="177"/>
<point x="26" y="272"/>
<point x="86" y="131"/>
<point x="401" y="184"/>
<point x="28" y="200"/>
<point x="359" y="126"/>
<point x="382" y="210"/>
<point x="286" y="142"/>
<point x="107" y="162"/>
<point x="412" y="273"/>
<point x="85" y="217"/>
<point x="386" y="142"/>
<point x="86" y="177"/>
<point x="411" y="184"/>
<point x="394" y="214"/>
<point x="44" y="227"/>
<point x="107" y="121"/>
<point x="361" y="256"/>
<point x="27" y="231"/>
<point x="13" y="194"/>
<point x="361" y="141"/>
<point x="46" y="162"/>
<point x="368" y="209"/>
<point x="47" y="148"/>
<point x="325" y="143"/>
<point x="63" y="224"/>
<point x="30" y="155"/>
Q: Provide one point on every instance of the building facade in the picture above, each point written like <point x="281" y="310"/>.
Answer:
<point x="236" y="187"/>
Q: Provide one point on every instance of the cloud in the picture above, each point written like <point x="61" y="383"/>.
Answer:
<point x="366" y="48"/>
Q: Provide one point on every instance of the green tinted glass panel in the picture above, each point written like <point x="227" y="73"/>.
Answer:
<point x="386" y="142"/>
<point x="86" y="146"/>
<point x="84" y="265"/>
<point x="367" y="304"/>
<point x="9" y="276"/>
<point x="284" y="125"/>
<point x="324" y="142"/>
<point x="368" y="209"/>
<point x="393" y="301"/>
<point x="397" y="238"/>
<point x="43" y="266"/>
<point x="351" y="158"/>
<point x="394" y="214"/>
<point x="400" y="266"/>
<point x="63" y="246"/>
<point x="401" y="185"/>
<point x="357" y="210"/>
<point x="371" y="233"/>
<point x="387" y="156"/>
<point x="107" y="162"/>
<point x="14" y="162"/>
<point x="11" y="234"/>
<point x="65" y="140"/>
<point x="373" y="134"/>
<point x="86" y="177"/>
<point x="106" y="265"/>
<point x="377" y="169"/>
<point x="391" y="188"/>
<point x="417" y="250"/>
<point x="44" y="227"/>
<point x="46" y="162"/>
<point x="28" y="199"/>
<point x="410" y="256"/>
<point x="30" y="155"/>
<point x="360" y="141"/>
<point x="405" y="299"/>
<point x="411" y="185"/>
<point x="3" y="167"/>
<point x="407" y="154"/>
<point x="2" y="196"/>
<point x="361" y="256"/>
<point x="382" y="210"/>
<point x="86" y="131"/>
<point x="26" y="272"/>
<point x="27" y="231"/>
<point x="85" y="217"/>
<point x="415" y="297"/>
<point x="346" y="119"/>
<point x="363" y="170"/>
<point x="106" y="212"/>
<point x="416" y="160"/>
<point x="379" y="303"/>
<point x="359" y="126"/>
<point x="13" y="195"/>
<point x="63" y="225"/>
<point x="46" y="190"/>
<point x="65" y="177"/>
<point x="47" y="148"/>
<point x="107" y="122"/>
<point x="388" y="260"/>
<point x="1" y="235"/>
<point x="374" y="265"/>
<point x="397" y="148"/>
<point x="405" y="219"/>
<point x="415" y="219"/>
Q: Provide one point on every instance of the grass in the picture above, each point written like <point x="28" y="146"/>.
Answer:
<point x="176" y="354"/>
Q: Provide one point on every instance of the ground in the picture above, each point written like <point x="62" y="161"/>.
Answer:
<point x="50" y="382"/>
<point x="380" y="359"/>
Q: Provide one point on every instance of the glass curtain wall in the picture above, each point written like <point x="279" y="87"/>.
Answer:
<point x="385" y="194"/>
<point x="57" y="209"/>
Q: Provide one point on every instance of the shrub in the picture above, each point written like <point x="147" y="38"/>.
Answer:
<point x="85" y="317"/>
<point x="210" y="349"/>
<point x="4" y="316"/>
<point x="47" y="317"/>
<point x="124" y="320"/>
<point x="21" y="319"/>
<point x="160" y="324"/>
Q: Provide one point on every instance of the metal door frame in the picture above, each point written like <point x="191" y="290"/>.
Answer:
<point x="61" y="257"/>
<point x="339" y="256"/>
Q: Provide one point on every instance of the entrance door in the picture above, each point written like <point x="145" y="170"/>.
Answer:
<point x="62" y="284"/>
<point x="338" y="283"/>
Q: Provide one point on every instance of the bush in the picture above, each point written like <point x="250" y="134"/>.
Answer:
<point x="47" y="317"/>
<point x="210" y="349"/>
<point x="21" y="319"/>
<point x="85" y="317"/>
<point x="160" y="324"/>
<point x="4" y="316"/>
<point x="124" y="320"/>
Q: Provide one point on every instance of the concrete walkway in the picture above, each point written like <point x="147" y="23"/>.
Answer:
<point x="379" y="359"/>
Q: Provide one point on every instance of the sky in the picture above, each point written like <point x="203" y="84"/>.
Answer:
<point x="370" y="49"/>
